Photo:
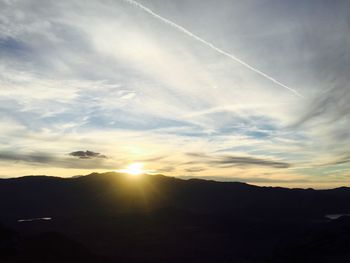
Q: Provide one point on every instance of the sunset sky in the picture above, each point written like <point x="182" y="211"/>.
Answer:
<point x="254" y="91"/>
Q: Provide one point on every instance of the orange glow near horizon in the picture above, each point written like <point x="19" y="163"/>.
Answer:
<point x="134" y="169"/>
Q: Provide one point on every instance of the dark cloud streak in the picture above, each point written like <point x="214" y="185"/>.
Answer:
<point x="195" y="169"/>
<point x="227" y="161"/>
<point x="54" y="161"/>
<point x="245" y="179"/>
<point x="87" y="155"/>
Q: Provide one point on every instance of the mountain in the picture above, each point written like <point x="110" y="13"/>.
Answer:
<point x="114" y="217"/>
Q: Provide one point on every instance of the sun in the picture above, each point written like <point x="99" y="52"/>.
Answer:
<point x="134" y="169"/>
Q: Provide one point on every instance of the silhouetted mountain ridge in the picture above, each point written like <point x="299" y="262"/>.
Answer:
<point x="35" y="196"/>
<point x="114" y="217"/>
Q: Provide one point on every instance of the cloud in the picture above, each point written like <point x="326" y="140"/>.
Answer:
<point x="247" y="179"/>
<point x="46" y="159"/>
<point x="326" y="115"/>
<point x="338" y="160"/>
<point x="226" y="161"/>
<point x="30" y="158"/>
<point x="87" y="155"/>
<point x="328" y="107"/>
<point x="195" y="169"/>
<point x="166" y="169"/>
<point x="229" y="161"/>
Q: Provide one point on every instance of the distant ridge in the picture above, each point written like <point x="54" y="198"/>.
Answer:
<point x="40" y="196"/>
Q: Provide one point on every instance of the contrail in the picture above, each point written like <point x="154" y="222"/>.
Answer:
<point x="208" y="44"/>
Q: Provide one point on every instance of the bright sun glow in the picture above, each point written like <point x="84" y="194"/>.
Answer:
<point x="134" y="169"/>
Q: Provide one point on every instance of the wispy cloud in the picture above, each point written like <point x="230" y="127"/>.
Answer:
<point x="210" y="45"/>
<point x="253" y="180"/>
<point x="226" y="161"/>
<point x="47" y="159"/>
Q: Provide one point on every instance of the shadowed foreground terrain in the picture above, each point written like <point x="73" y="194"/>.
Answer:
<point x="118" y="218"/>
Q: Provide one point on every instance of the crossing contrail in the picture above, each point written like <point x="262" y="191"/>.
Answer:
<point x="208" y="44"/>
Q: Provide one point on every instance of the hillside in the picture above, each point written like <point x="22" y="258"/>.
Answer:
<point x="154" y="218"/>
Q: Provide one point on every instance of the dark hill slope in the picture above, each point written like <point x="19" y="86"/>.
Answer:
<point x="117" y="218"/>
<point x="112" y="193"/>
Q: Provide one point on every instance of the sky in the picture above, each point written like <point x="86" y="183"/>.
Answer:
<point x="255" y="91"/>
